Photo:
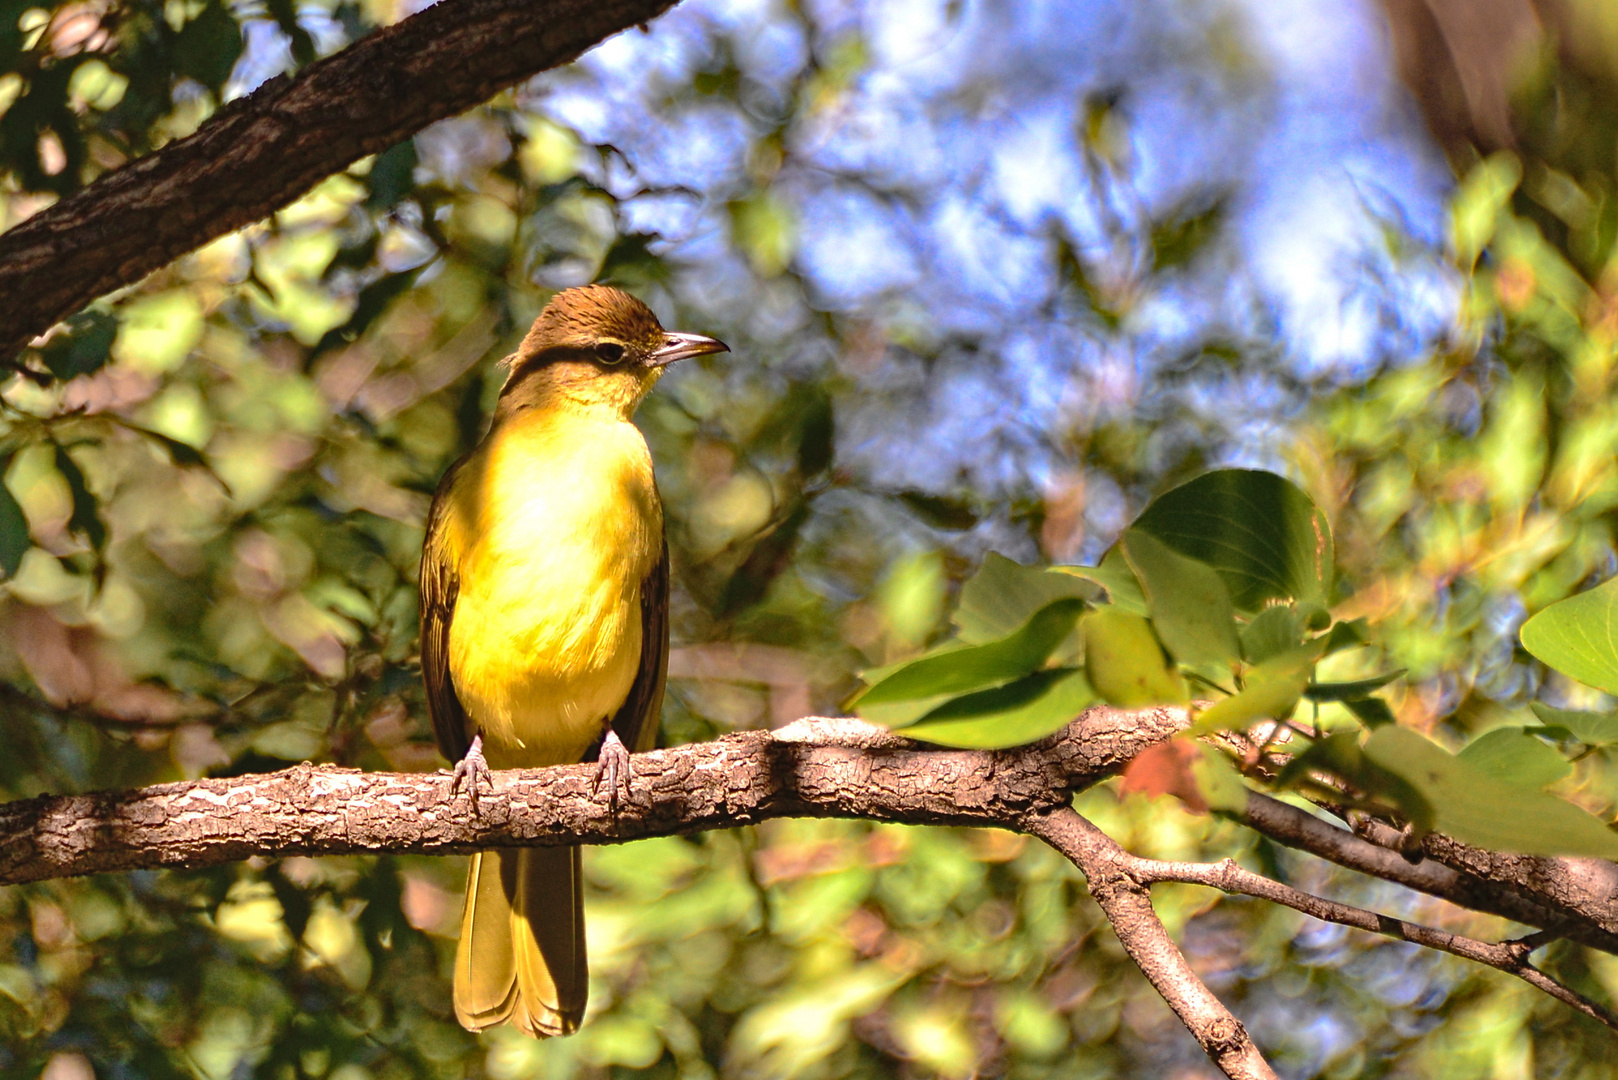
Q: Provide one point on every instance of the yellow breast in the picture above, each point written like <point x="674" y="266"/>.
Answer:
<point x="555" y="521"/>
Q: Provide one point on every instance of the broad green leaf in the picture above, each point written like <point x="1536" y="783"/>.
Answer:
<point x="1342" y="755"/>
<point x="1003" y="594"/>
<point x="1258" y="530"/>
<point x="1579" y="636"/>
<point x="14" y="540"/>
<point x="1115" y="576"/>
<point x="1357" y="690"/>
<point x="1190" y="607"/>
<point x="1509" y="754"/>
<point x="960" y="671"/>
<point x="1589" y="728"/>
<point x="1010" y="715"/>
<point x="1272" y="631"/>
<point x="83" y="347"/>
<point x="1271" y="690"/>
<point x="1126" y="664"/>
<point x="1476" y="808"/>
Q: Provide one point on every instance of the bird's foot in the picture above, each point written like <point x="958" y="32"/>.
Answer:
<point x="472" y="770"/>
<point x="612" y="766"/>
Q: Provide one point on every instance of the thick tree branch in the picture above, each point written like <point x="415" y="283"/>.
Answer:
<point x="813" y="768"/>
<point x="1510" y="957"/>
<point x="1109" y="871"/>
<point x="261" y="152"/>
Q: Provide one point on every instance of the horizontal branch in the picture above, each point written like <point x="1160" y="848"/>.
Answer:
<point x="812" y="768"/>
<point x="260" y="152"/>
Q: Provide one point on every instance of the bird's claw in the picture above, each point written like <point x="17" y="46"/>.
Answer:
<point x="612" y="766"/>
<point x="472" y="770"/>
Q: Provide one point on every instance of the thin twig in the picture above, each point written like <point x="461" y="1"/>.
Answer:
<point x="1510" y="957"/>
<point x="1127" y="902"/>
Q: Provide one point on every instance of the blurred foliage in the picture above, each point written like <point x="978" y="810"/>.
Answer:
<point x="974" y="304"/>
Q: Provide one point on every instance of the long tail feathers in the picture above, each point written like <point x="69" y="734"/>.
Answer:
<point x="521" y="956"/>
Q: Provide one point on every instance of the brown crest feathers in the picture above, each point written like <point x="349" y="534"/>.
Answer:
<point x="582" y="316"/>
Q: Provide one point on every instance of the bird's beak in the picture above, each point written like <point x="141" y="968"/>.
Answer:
<point x="683" y="347"/>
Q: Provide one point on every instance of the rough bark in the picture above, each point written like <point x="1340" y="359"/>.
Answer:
<point x="813" y="768"/>
<point x="262" y="151"/>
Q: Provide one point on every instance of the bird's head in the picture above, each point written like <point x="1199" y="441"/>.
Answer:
<point x="595" y="347"/>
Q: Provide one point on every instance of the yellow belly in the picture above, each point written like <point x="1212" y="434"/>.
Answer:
<point x="558" y="523"/>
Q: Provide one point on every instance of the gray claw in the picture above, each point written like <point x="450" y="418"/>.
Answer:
<point x="472" y="770"/>
<point x="612" y="766"/>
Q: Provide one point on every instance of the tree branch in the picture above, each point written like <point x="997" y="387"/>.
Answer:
<point x="1510" y="957"/>
<point x="261" y="152"/>
<point x="1109" y="871"/>
<point x="813" y="768"/>
<point x="1575" y="906"/>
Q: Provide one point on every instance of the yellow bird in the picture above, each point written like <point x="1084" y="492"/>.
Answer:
<point x="544" y="626"/>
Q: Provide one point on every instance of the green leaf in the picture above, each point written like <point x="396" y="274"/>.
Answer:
<point x="1349" y="634"/>
<point x="1589" y="728"/>
<point x="1342" y="756"/>
<point x="86" y="516"/>
<point x="1476" y="808"/>
<point x="1271" y="690"/>
<point x="14" y="541"/>
<point x="1258" y="530"/>
<point x="1372" y="712"/>
<point x="1115" y="576"/>
<point x="206" y="48"/>
<point x="1190" y="607"/>
<point x="1272" y="631"/>
<point x="1003" y="594"/>
<point x="959" y="671"/>
<point x="83" y="347"/>
<point x="1579" y="636"/>
<point x="1511" y="755"/>
<point x="1350" y="691"/>
<point x="1011" y="715"/>
<point x="1126" y="664"/>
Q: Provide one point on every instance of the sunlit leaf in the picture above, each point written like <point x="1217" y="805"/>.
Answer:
<point x="1003" y="594"/>
<point x="1019" y="712"/>
<point x="1125" y="662"/>
<point x="1477" y="808"/>
<point x="1190" y="608"/>
<point x="1589" y="728"/>
<point x="1509" y="754"/>
<point x="1579" y="636"/>
<point x="975" y="667"/>
<point x="1274" y="630"/>
<point x="1271" y="690"/>
<point x="1115" y="576"/>
<point x="1258" y="530"/>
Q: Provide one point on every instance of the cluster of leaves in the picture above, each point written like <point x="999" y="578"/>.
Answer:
<point x="1218" y="595"/>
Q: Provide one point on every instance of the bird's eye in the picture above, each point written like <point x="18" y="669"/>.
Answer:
<point x="609" y="352"/>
